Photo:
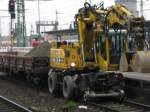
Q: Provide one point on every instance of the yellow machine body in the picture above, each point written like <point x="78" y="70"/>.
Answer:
<point x="93" y="49"/>
<point x="80" y="68"/>
<point x="66" y="57"/>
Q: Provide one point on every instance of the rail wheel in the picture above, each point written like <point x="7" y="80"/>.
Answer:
<point x="10" y="73"/>
<point x="122" y="95"/>
<point x="36" y="80"/>
<point x="29" y="78"/>
<point x="53" y="83"/>
<point x="68" y="87"/>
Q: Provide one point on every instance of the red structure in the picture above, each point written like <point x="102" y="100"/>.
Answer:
<point x="35" y="42"/>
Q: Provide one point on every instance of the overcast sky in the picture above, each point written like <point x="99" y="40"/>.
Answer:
<point x="66" y="8"/>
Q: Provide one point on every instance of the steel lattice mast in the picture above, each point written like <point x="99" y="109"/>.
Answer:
<point x="21" y="24"/>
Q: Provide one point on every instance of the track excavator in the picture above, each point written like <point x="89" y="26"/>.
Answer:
<point x="88" y="67"/>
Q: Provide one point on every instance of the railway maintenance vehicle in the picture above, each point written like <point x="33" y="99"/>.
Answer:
<point x="90" y="67"/>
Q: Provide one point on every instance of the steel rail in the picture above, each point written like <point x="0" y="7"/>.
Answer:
<point x="147" y="107"/>
<point x="125" y="106"/>
<point x="7" y="105"/>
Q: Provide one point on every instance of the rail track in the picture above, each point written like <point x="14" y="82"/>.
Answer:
<point x="109" y="106"/>
<point x="125" y="106"/>
<point x="10" y="106"/>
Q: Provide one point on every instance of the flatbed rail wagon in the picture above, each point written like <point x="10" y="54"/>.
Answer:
<point x="32" y="67"/>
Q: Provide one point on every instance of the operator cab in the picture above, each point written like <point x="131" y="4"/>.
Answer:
<point x="116" y="39"/>
<point x="64" y="39"/>
<point x="109" y="48"/>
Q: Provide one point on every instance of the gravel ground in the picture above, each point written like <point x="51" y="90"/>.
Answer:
<point x="34" y="99"/>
